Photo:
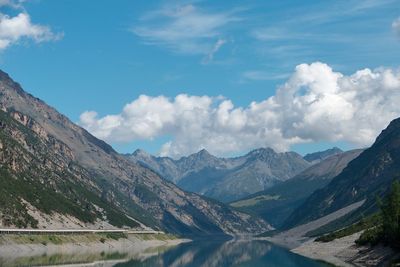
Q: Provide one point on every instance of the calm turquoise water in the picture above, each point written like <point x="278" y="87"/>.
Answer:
<point x="197" y="253"/>
<point x="222" y="254"/>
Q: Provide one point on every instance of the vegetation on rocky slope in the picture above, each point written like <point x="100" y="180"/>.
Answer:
<point x="387" y="230"/>
<point x="382" y="227"/>
<point x="363" y="224"/>
<point x="28" y="177"/>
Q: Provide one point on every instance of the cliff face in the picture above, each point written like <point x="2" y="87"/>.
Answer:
<point x="48" y="155"/>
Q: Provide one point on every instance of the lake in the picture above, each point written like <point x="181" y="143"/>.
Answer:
<point x="197" y="253"/>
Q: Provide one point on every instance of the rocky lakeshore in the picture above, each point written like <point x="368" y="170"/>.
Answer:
<point x="344" y="252"/>
<point x="340" y="251"/>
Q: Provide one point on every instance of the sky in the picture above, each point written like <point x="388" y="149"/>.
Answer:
<point x="174" y="77"/>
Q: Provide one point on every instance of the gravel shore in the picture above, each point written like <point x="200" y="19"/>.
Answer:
<point x="344" y="252"/>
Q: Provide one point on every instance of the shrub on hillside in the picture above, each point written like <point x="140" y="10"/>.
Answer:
<point x="389" y="230"/>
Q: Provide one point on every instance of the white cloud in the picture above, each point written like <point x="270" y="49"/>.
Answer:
<point x="210" y="56"/>
<point x="396" y="26"/>
<point x="185" y="29"/>
<point x="315" y="104"/>
<point x="19" y="27"/>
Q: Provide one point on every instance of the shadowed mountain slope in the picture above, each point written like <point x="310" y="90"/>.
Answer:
<point x="366" y="177"/>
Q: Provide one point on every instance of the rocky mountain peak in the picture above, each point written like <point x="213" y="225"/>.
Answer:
<point x="321" y="155"/>
<point x="227" y="178"/>
<point x="261" y="152"/>
<point x="391" y="132"/>
<point x="7" y="83"/>
<point x="140" y="153"/>
<point x="202" y="154"/>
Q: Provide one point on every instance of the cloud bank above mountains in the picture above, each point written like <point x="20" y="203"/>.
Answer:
<point x="315" y="104"/>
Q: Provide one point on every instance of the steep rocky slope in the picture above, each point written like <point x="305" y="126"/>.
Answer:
<point x="366" y="177"/>
<point x="38" y="176"/>
<point x="277" y="202"/>
<point x="225" y="179"/>
<point x="84" y="177"/>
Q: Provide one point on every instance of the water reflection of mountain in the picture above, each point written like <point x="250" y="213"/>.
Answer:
<point x="201" y="253"/>
<point x="223" y="254"/>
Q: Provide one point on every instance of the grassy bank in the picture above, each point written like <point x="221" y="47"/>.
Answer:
<point x="364" y="224"/>
<point x="45" y="239"/>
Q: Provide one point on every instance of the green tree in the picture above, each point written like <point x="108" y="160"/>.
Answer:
<point x="391" y="216"/>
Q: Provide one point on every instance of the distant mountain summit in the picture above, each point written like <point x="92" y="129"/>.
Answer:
<point x="225" y="179"/>
<point x="54" y="173"/>
<point x="174" y="170"/>
<point x="320" y="156"/>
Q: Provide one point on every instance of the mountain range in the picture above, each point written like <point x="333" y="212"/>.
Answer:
<point x="278" y="202"/>
<point x="54" y="173"/>
<point x="225" y="179"/>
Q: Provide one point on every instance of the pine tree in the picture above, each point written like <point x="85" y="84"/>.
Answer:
<point x="391" y="216"/>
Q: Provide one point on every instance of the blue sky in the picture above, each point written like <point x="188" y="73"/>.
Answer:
<point x="101" y="55"/>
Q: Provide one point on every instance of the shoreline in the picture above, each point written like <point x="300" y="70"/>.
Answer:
<point x="344" y="252"/>
<point x="338" y="252"/>
<point x="80" y="248"/>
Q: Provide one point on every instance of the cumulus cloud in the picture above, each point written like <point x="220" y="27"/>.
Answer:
<point x="185" y="29"/>
<point x="315" y="104"/>
<point x="396" y="26"/>
<point x="18" y="27"/>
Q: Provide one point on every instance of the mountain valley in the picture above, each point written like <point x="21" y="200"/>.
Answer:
<point x="51" y="168"/>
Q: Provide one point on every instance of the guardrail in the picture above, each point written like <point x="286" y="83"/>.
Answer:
<point x="76" y="231"/>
